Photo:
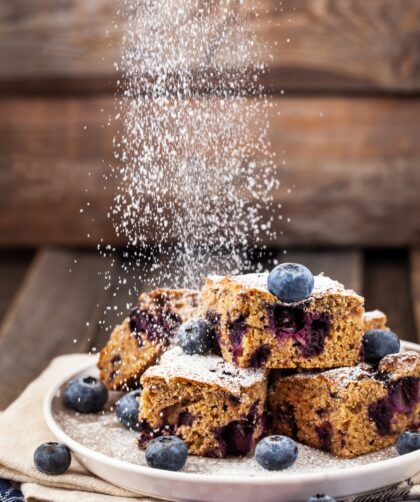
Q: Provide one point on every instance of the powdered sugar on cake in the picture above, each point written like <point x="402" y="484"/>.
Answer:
<point x="340" y="377"/>
<point x="322" y="284"/>
<point x="209" y="369"/>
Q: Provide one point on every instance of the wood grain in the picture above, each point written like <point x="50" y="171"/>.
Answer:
<point x="340" y="45"/>
<point x="350" y="176"/>
<point x="415" y="286"/>
<point x="343" y="266"/>
<point x="55" y="312"/>
<point x="387" y="287"/>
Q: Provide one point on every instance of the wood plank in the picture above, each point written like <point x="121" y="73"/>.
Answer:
<point x="415" y="286"/>
<point x="343" y="266"/>
<point x="387" y="287"/>
<point x="351" y="170"/>
<point x="54" y="312"/>
<point x="350" y="45"/>
<point x="13" y="267"/>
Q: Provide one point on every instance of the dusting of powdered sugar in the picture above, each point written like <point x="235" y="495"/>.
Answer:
<point x="374" y="315"/>
<point x="102" y="433"/>
<point x="194" y="173"/>
<point x="208" y="369"/>
<point x="338" y="377"/>
<point x="323" y="285"/>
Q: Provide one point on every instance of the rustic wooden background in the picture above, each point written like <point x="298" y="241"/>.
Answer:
<point x="349" y="125"/>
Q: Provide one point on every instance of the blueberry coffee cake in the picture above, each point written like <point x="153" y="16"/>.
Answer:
<point x="149" y="330"/>
<point x="215" y="407"/>
<point x="348" y="411"/>
<point x="257" y="329"/>
<point x="375" y="319"/>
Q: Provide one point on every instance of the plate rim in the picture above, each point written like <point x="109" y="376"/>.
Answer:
<point x="273" y="479"/>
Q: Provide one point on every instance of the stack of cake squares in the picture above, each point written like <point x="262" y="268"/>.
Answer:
<point x="295" y="369"/>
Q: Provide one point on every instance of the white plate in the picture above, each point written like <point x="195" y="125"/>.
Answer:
<point x="110" y="452"/>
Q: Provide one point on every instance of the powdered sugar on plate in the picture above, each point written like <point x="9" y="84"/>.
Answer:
<point x="103" y="434"/>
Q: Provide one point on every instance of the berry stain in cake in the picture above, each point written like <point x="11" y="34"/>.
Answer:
<point x="194" y="173"/>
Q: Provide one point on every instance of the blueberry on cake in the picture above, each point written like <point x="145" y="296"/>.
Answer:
<point x="215" y="407"/>
<point x="257" y="329"/>
<point x="348" y="411"/>
<point x="149" y="330"/>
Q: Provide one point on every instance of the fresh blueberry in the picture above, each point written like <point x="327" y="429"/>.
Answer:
<point x="276" y="452"/>
<point x="128" y="410"/>
<point x="320" y="498"/>
<point x="290" y="282"/>
<point x="196" y="336"/>
<point x="166" y="452"/>
<point x="86" y="395"/>
<point x="52" y="458"/>
<point x="408" y="442"/>
<point x="378" y="343"/>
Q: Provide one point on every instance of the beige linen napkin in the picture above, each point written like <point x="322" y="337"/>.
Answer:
<point x="22" y="430"/>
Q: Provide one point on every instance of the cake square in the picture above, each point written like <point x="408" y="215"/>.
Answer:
<point x="348" y="411"/>
<point x="374" y="319"/>
<point x="256" y="329"/>
<point x="143" y="336"/>
<point x="215" y="407"/>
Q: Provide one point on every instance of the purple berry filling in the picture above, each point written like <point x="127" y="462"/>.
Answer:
<point x="403" y="395"/>
<point x="115" y="361"/>
<point x="260" y="356"/>
<point x="185" y="418"/>
<point x="234" y="399"/>
<point x="237" y="329"/>
<point x="159" y="326"/>
<point x="236" y="438"/>
<point x="324" y="432"/>
<point x="308" y="330"/>
<point x="171" y="421"/>
<point x="147" y="432"/>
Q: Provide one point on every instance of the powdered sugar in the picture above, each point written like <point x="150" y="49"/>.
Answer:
<point x="374" y="314"/>
<point x="338" y="377"/>
<point x="323" y="285"/>
<point x="208" y="369"/>
<point x="194" y="172"/>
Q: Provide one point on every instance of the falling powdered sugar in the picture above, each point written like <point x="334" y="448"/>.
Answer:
<point x="195" y="177"/>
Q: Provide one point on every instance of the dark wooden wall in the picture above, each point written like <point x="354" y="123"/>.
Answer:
<point x="349" y="125"/>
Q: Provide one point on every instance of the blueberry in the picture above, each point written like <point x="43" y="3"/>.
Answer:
<point x="166" y="452"/>
<point x="320" y="498"/>
<point x="378" y="343"/>
<point x="86" y="395"/>
<point x="290" y="282"/>
<point x="52" y="458"/>
<point x="128" y="410"/>
<point x="196" y="336"/>
<point x="276" y="452"/>
<point x="408" y="442"/>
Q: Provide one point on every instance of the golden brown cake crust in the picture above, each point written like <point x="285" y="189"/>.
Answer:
<point x="216" y="408"/>
<point x="137" y="343"/>
<point x="349" y="411"/>
<point x="255" y="329"/>
<point x="374" y="319"/>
